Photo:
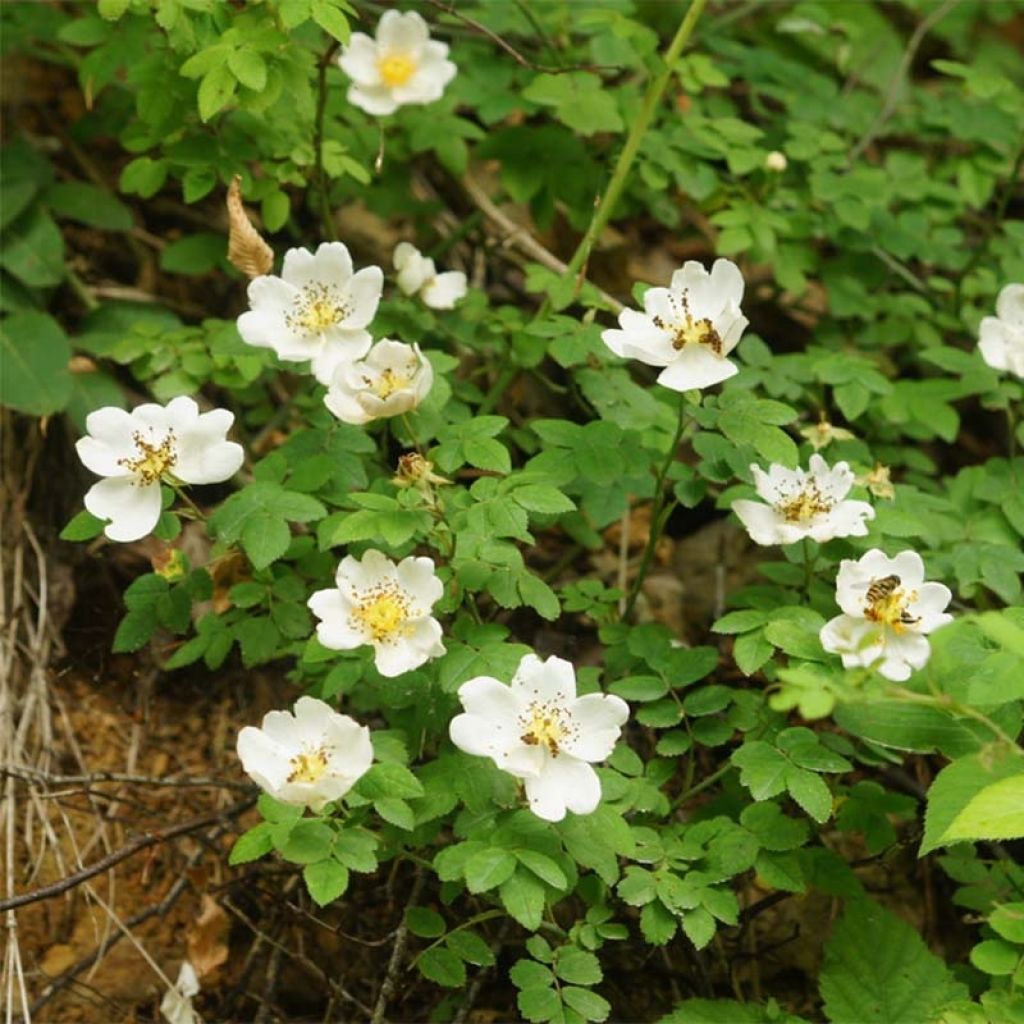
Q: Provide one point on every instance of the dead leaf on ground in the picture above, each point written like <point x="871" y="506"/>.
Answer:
<point x="207" y="938"/>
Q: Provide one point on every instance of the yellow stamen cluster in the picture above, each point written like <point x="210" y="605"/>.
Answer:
<point x="309" y="766"/>
<point x="805" y="506"/>
<point x="153" y="460"/>
<point x="388" y="383"/>
<point x="383" y="612"/>
<point x="316" y="308"/>
<point x="687" y="329"/>
<point x="546" y="724"/>
<point x="396" y="69"/>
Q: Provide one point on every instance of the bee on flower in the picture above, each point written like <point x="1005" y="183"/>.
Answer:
<point x="538" y="730"/>
<point x="798" y="503"/>
<point x="688" y="328"/>
<point x="385" y="605"/>
<point x="401" y="65"/>
<point x="137" y="451"/>
<point x="888" y="611"/>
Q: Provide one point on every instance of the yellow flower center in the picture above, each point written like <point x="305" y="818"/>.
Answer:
<point x="316" y="308"/>
<point x="396" y="69"/>
<point x="309" y="766"/>
<point x="389" y="382"/>
<point x="153" y="461"/>
<point x="887" y="604"/>
<point x="687" y="329"/>
<point x="805" y="506"/>
<point x="546" y="725"/>
<point x="383" y="614"/>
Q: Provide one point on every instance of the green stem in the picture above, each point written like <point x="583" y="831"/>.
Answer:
<point x="707" y="783"/>
<point x="945" y="703"/>
<point x="498" y="389"/>
<point x="808" y="567"/>
<point x="620" y="175"/>
<point x="659" y="513"/>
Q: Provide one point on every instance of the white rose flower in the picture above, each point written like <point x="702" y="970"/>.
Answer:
<point x="1002" y="336"/>
<point x="803" y="503"/>
<point x="385" y="605"/>
<point x="402" y="65"/>
<point x="689" y="328"/>
<point x="318" y="309"/>
<point x="311" y="757"/>
<point x="417" y="273"/>
<point x="888" y="609"/>
<point x="137" y="450"/>
<point x="538" y="730"/>
<point x="394" y="378"/>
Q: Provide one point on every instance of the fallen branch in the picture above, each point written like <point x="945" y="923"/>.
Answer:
<point x="142" y="842"/>
<point x="198" y="781"/>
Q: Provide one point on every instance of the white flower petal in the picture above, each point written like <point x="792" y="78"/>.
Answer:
<point x="132" y="508"/>
<point x="417" y="576"/>
<point x="375" y="100"/>
<point x="564" y="784"/>
<point x="1010" y="305"/>
<point x="552" y="680"/>
<point x="762" y="522"/>
<point x="696" y="367"/>
<point x="204" y="456"/>
<point x="362" y="295"/>
<point x="443" y="291"/>
<point x="405" y="33"/>
<point x="599" y="718"/>
<point x="334" y="610"/>
<point x="359" y="60"/>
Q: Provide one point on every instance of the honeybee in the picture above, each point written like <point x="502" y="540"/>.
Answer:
<point x="878" y="592"/>
<point x="880" y="589"/>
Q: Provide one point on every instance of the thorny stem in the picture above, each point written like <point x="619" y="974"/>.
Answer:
<point x="659" y="514"/>
<point x="655" y="91"/>
<point x="318" y="142"/>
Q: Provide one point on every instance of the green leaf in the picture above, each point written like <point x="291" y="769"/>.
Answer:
<point x="578" y="967"/>
<point x="265" y="539"/>
<point x="877" y="970"/>
<point x="488" y="869"/>
<point x="84" y="526"/>
<point x="215" y="90"/>
<point x="539" y="1004"/>
<point x="258" y="638"/>
<point x="326" y="880"/>
<point x="88" y="205"/>
<point x="251" y="845"/>
<point x="996" y="957"/>
<point x="396" y="812"/>
<point x="307" y="842"/>
<point x="470" y="947"/>
<point x="143" y="176"/>
<point x="249" y="68"/>
<point x="523" y="897"/>
<point x="589" y="1004"/>
<point x="424" y="922"/>
<point x="33" y="250"/>
<point x="543" y="498"/>
<point x="390" y="780"/>
<point x="327" y="15"/>
<point x="134" y="631"/>
<point x="580" y="100"/>
<point x="988" y="783"/>
<point x="443" y="967"/>
<point x="543" y="867"/>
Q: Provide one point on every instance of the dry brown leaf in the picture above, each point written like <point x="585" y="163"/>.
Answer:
<point x="207" y="938"/>
<point x="246" y="248"/>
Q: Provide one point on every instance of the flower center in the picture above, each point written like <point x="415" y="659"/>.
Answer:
<point x="546" y="725"/>
<point x="687" y="329"/>
<point x="805" y="506"/>
<point x="396" y="69"/>
<point x="887" y="604"/>
<point x="316" y="308"/>
<point x="309" y="766"/>
<point x="384" y="614"/>
<point x="389" y="382"/>
<point x="153" y="461"/>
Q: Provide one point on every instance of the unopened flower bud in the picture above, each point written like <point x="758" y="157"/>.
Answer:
<point x="416" y="471"/>
<point x="776" y="161"/>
